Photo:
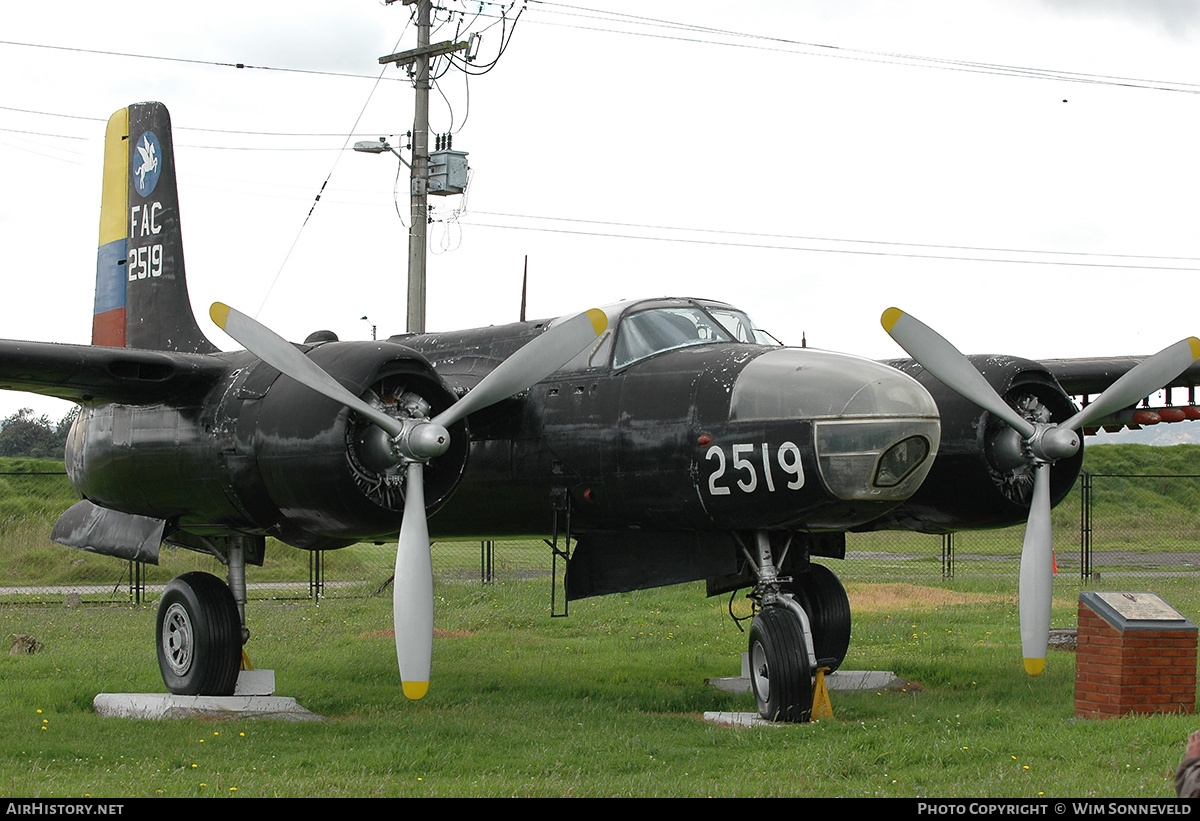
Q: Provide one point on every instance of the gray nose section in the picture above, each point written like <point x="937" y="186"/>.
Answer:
<point x="803" y="383"/>
<point x="876" y="430"/>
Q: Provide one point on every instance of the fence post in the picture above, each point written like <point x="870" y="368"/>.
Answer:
<point x="487" y="562"/>
<point x="947" y="555"/>
<point x="1085" y="527"/>
<point x="316" y="574"/>
<point x="137" y="581"/>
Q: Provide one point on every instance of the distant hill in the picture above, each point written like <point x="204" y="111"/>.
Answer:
<point x="1175" y="433"/>
<point x="1132" y="458"/>
<point x="1157" y="503"/>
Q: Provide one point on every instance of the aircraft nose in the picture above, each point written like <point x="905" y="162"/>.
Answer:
<point x="876" y="430"/>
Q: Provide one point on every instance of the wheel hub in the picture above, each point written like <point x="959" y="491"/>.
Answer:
<point x="760" y="671"/>
<point x="177" y="639"/>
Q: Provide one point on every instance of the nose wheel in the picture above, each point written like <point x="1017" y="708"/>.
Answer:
<point x="801" y="630"/>
<point x="780" y="673"/>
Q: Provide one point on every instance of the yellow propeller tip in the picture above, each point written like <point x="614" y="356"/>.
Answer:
<point x="599" y="320"/>
<point x="1034" y="667"/>
<point x="219" y="313"/>
<point x="890" y="317"/>
<point x="415" y="689"/>
<point x="1194" y="343"/>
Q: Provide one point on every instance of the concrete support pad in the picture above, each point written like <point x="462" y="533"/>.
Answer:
<point x="841" y="680"/>
<point x="745" y="720"/>
<point x="255" y="683"/>
<point x="163" y="705"/>
<point x="864" y="680"/>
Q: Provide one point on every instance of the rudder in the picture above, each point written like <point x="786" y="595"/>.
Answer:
<point x="141" y="287"/>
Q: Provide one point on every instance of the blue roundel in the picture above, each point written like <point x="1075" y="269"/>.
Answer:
<point x="147" y="163"/>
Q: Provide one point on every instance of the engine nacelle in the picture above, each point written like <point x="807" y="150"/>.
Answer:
<point x="329" y="471"/>
<point x="261" y="454"/>
<point x="976" y="483"/>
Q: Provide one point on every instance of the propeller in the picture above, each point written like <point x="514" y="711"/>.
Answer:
<point x="414" y="442"/>
<point x="1041" y="445"/>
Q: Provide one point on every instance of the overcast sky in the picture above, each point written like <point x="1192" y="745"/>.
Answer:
<point x="1019" y="174"/>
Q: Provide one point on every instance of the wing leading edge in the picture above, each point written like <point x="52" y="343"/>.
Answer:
<point x="1090" y="376"/>
<point x="1079" y="377"/>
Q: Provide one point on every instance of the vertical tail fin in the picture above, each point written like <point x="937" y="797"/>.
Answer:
<point x="141" y="287"/>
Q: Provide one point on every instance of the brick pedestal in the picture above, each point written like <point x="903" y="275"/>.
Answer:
<point x="1134" y="654"/>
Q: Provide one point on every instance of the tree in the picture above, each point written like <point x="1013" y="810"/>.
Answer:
<point x="22" y="434"/>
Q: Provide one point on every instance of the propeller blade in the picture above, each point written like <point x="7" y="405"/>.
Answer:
<point x="539" y="358"/>
<point x="277" y="352"/>
<point x="1037" y="575"/>
<point x="948" y="364"/>
<point x="1144" y="379"/>
<point x="412" y="589"/>
<point x="413" y="583"/>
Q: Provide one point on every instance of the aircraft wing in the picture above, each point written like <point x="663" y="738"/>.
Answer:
<point x="89" y="373"/>
<point x="1093" y="375"/>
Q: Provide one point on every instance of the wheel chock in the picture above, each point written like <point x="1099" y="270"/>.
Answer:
<point x="822" y="707"/>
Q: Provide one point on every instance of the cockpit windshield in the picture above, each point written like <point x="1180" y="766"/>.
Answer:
<point x="743" y="330"/>
<point x="638" y="330"/>
<point x="652" y="331"/>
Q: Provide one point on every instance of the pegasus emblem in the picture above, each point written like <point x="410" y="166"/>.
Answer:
<point x="148" y="151"/>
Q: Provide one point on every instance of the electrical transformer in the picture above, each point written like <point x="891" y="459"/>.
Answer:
<point x="447" y="172"/>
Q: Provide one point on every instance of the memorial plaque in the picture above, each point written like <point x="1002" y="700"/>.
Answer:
<point x="1141" y="606"/>
<point x="1135" y="654"/>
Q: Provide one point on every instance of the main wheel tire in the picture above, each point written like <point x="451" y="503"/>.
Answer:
<point x="780" y="674"/>
<point x="824" y="599"/>
<point x="199" y="636"/>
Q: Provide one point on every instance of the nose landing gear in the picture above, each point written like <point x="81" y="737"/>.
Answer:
<point x="780" y="671"/>
<point x="802" y="626"/>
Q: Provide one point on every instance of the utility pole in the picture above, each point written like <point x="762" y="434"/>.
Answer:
<point x="419" y="176"/>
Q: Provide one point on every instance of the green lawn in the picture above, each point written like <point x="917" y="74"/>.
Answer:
<point x="610" y="700"/>
<point x="605" y="702"/>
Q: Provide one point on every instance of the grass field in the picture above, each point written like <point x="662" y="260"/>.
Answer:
<point x="607" y="702"/>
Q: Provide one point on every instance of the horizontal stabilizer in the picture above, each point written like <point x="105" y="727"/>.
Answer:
<point x="88" y="374"/>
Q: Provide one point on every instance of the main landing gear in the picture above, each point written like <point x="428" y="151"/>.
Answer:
<point x="199" y="636"/>
<point x="802" y="625"/>
<point x="199" y="631"/>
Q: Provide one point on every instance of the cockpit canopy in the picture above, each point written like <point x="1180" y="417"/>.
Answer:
<point x="638" y="330"/>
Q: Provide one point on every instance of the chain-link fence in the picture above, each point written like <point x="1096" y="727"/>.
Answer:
<point x="1131" y="527"/>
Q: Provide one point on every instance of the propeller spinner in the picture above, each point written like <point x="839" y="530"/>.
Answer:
<point x="1042" y="444"/>
<point x="414" y="442"/>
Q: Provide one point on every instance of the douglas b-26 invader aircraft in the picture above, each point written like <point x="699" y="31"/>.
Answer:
<point x="669" y="437"/>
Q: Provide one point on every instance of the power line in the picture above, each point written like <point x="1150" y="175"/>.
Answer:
<point x="348" y="137"/>
<point x="176" y="127"/>
<point x="193" y="61"/>
<point x="853" y="251"/>
<point x="807" y="238"/>
<point x="790" y="46"/>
